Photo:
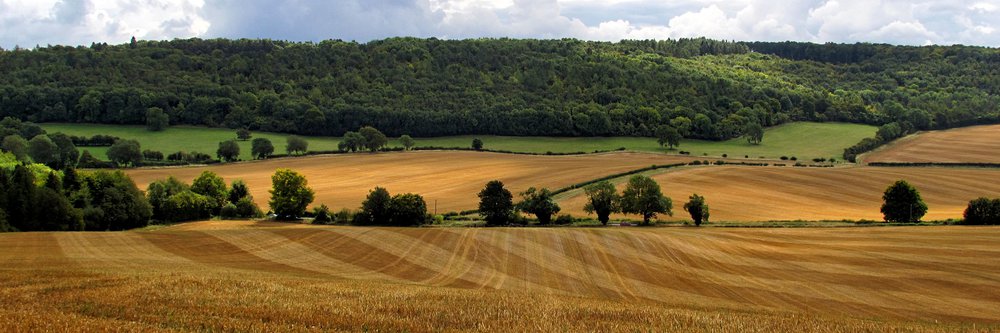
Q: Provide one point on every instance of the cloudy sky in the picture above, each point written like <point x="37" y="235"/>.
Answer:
<point x="918" y="22"/>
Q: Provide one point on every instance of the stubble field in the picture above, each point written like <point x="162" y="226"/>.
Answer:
<point x="452" y="179"/>
<point x="737" y="193"/>
<point x="240" y="276"/>
<point x="975" y="144"/>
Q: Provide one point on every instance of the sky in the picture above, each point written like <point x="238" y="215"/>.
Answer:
<point x="27" y="23"/>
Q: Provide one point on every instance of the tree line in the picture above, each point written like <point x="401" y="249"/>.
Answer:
<point x="432" y="87"/>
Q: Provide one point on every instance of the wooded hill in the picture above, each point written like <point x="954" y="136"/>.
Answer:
<point x="432" y="87"/>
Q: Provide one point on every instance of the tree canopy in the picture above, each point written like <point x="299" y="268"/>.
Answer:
<point x="290" y="194"/>
<point x="902" y="203"/>
<point x="602" y="199"/>
<point x="642" y="196"/>
<point x="496" y="204"/>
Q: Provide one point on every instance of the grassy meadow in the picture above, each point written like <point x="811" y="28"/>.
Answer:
<point x="803" y="139"/>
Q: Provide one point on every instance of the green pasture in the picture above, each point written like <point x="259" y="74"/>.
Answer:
<point x="803" y="140"/>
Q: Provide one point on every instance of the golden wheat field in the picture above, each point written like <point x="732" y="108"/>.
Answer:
<point x="739" y="193"/>
<point x="975" y="144"/>
<point x="254" y="276"/>
<point x="450" y="178"/>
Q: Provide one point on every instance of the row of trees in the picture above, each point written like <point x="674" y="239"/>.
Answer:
<point x="642" y="196"/>
<point x="36" y="198"/>
<point x="207" y="196"/>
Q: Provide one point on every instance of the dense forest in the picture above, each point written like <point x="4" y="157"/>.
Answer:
<point x="429" y="87"/>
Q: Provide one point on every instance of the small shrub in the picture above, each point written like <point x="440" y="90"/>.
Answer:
<point x="321" y="215"/>
<point x="725" y="155"/>
<point x="793" y="158"/>
<point x="438" y="219"/>
<point x="746" y="156"/>
<point x="784" y="158"/>
<point x="696" y="162"/>
<point x="563" y="219"/>
<point x="229" y="211"/>
<point x="343" y="216"/>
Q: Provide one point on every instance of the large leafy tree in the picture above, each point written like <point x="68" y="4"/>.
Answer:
<point x="213" y="187"/>
<point x="290" y="194"/>
<point x="374" y="139"/>
<point x="668" y="135"/>
<point x="228" y="151"/>
<point x="43" y="150"/>
<point x="17" y="145"/>
<point x="538" y="202"/>
<point x="407" y="142"/>
<point x="902" y="203"/>
<point x="754" y="133"/>
<point x="296" y="145"/>
<point x="642" y="196"/>
<point x="408" y="209"/>
<point x="261" y="148"/>
<point x="602" y="199"/>
<point x="125" y="152"/>
<point x="496" y="204"/>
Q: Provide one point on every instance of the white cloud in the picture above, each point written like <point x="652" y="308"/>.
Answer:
<point x="917" y="22"/>
<point x="80" y="22"/>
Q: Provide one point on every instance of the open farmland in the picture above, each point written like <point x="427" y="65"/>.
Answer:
<point x="976" y="144"/>
<point x="450" y="178"/>
<point x="805" y="140"/>
<point x="267" y="277"/>
<point x="736" y="193"/>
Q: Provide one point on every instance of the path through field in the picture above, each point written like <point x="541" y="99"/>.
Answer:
<point x="944" y="274"/>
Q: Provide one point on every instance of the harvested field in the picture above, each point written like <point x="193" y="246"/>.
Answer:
<point x="428" y="279"/>
<point x="976" y="144"/>
<point x="736" y="193"/>
<point x="451" y="178"/>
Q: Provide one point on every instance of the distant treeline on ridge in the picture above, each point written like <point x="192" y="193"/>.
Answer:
<point x="432" y="87"/>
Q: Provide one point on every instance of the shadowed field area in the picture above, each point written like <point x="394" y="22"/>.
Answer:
<point x="976" y="144"/>
<point x="270" y="277"/>
<point x="449" y="177"/>
<point x="736" y="193"/>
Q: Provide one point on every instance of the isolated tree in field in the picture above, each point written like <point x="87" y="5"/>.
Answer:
<point x="982" y="211"/>
<point x="43" y="150"/>
<point x="243" y="134"/>
<point x="602" y="198"/>
<point x="642" y="196"/>
<point x="698" y="209"/>
<point x="261" y="148"/>
<point x="296" y="144"/>
<point x="17" y="145"/>
<point x="407" y="142"/>
<point x="667" y="135"/>
<point x="125" y="152"/>
<point x="754" y="133"/>
<point x="408" y="209"/>
<point x="477" y="144"/>
<point x="377" y="207"/>
<point x="902" y="203"/>
<point x="290" y="194"/>
<point x="539" y="203"/>
<point x="496" y="204"/>
<point x="228" y="151"/>
<point x="212" y="186"/>
<point x="352" y="142"/>
<point x="374" y="139"/>
<point x="156" y="119"/>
